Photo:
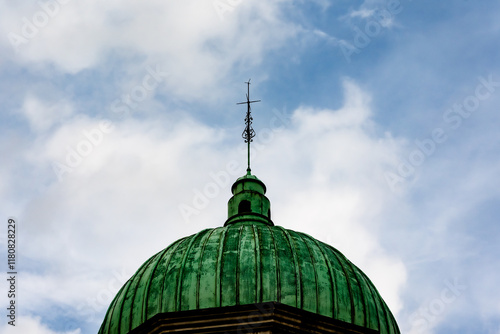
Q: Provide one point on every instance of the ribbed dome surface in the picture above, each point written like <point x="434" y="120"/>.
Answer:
<point x="247" y="263"/>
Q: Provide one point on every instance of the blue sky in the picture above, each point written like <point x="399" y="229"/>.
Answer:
<point x="377" y="133"/>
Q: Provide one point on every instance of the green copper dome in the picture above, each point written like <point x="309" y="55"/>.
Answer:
<point x="249" y="260"/>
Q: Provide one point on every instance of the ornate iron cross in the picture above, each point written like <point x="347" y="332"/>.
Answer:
<point x="249" y="133"/>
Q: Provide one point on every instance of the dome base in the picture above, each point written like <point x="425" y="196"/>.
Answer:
<point x="265" y="318"/>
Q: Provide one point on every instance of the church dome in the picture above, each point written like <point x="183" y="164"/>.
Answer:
<point x="249" y="260"/>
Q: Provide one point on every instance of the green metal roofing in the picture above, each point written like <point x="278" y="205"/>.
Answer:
<point x="249" y="260"/>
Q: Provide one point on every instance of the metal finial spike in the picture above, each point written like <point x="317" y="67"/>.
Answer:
<point x="249" y="133"/>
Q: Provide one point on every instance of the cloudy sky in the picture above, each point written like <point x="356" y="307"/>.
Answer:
<point x="377" y="133"/>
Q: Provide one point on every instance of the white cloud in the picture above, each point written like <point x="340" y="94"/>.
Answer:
<point x="187" y="38"/>
<point x="362" y="13"/>
<point x="377" y="12"/>
<point x="42" y="116"/>
<point x="341" y="193"/>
